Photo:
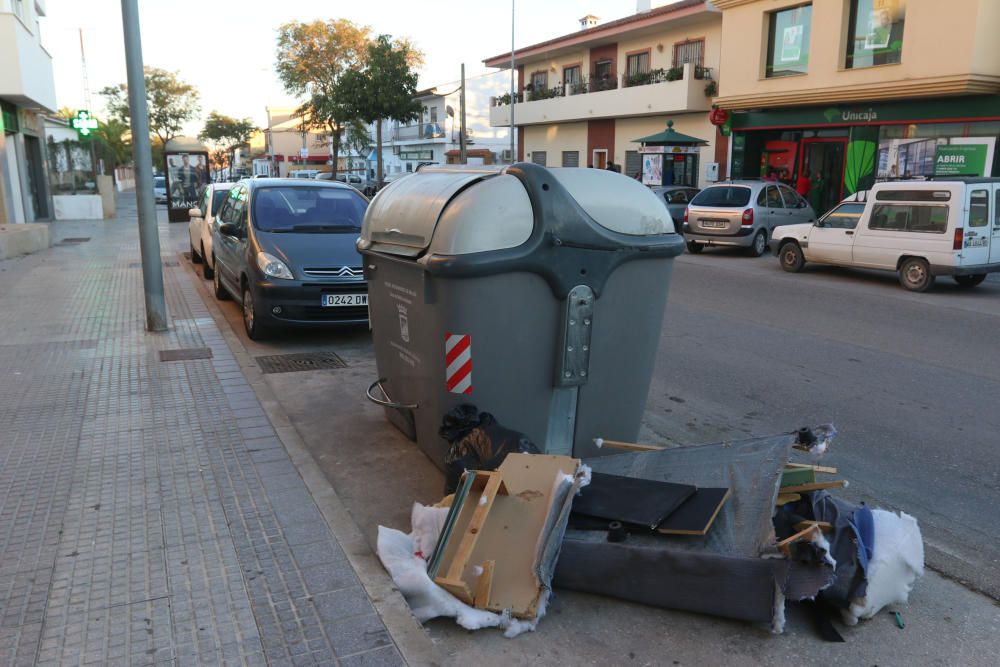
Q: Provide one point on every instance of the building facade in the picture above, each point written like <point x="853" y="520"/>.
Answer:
<point x="434" y="138"/>
<point x="585" y="98"/>
<point x="27" y="91"/>
<point x="847" y="92"/>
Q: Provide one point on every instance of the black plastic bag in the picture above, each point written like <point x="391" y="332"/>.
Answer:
<point x="478" y="442"/>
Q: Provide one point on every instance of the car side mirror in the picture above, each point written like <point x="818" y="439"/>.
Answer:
<point x="194" y="212"/>
<point x="229" y="229"/>
<point x="820" y="223"/>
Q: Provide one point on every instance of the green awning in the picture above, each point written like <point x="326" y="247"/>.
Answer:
<point x="670" y="138"/>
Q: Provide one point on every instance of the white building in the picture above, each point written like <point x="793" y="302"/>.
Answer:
<point x="27" y="90"/>
<point x="434" y="137"/>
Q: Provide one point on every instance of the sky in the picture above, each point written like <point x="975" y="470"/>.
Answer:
<point x="226" y="48"/>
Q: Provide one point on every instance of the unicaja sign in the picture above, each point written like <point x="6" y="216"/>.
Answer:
<point x="834" y="114"/>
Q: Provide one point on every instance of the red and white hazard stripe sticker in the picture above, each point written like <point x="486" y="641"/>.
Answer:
<point x="458" y="363"/>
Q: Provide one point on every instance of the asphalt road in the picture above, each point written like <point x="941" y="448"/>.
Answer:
<point x="910" y="381"/>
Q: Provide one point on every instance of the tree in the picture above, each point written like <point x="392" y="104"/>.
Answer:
<point x="112" y="136"/>
<point x="227" y="133"/>
<point x="311" y="59"/>
<point x="170" y="102"/>
<point x="384" y="88"/>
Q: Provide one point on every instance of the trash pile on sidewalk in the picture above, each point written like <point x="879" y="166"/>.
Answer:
<point x="733" y="529"/>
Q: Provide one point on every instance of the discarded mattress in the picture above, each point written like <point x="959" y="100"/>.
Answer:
<point x="733" y="571"/>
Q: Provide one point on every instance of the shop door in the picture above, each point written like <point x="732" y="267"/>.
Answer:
<point x="35" y="174"/>
<point x="824" y="156"/>
<point x="600" y="158"/>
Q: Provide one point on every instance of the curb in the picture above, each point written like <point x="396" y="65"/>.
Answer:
<point x="413" y="642"/>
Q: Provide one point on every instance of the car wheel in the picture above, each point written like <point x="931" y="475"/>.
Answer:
<point x="915" y="274"/>
<point x="195" y="257"/>
<point x="759" y="244"/>
<point x="206" y="270"/>
<point x="251" y="322"/>
<point x="970" y="281"/>
<point x="694" y="248"/>
<point x="220" y="291"/>
<point x="791" y="257"/>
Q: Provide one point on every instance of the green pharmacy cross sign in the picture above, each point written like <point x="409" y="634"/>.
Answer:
<point x="83" y="123"/>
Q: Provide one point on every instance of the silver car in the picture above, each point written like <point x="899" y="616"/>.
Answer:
<point x="160" y="189"/>
<point x="676" y="199"/>
<point x="742" y="214"/>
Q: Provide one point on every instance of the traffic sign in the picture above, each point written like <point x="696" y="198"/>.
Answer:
<point x="83" y="123"/>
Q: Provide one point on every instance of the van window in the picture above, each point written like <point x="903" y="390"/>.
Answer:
<point x="723" y="195"/>
<point x="996" y="210"/>
<point x="910" y="218"/>
<point x="845" y="216"/>
<point x="979" y="208"/>
<point x="913" y="195"/>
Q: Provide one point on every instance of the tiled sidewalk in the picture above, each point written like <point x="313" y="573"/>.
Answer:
<point x="148" y="512"/>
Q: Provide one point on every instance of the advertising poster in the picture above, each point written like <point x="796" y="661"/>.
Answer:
<point x="960" y="160"/>
<point x="879" y="29"/>
<point x="186" y="174"/>
<point x="652" y="169"/>
<point x="791" y="44"/>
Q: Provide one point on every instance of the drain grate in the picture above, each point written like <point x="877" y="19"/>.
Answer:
<point x="301" y="361"/>
<point x="75" y="239"/>
<point x="167" y="262"/>
<point x="186" y="354"/>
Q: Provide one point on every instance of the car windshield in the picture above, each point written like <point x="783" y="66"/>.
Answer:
<point x="309" y="209"/>
<point x="159" y="182"/>
<point x="723" y="195"/>
<point x="218" y="197"/>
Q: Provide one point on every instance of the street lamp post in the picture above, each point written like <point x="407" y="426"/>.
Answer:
<point x="513" y="90"/>
<point x="149" y="240"/>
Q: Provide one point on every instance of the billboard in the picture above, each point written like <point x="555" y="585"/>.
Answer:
<point x="187" y="173"/>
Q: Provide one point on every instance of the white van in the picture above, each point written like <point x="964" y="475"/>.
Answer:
<point x="921" y="229"/>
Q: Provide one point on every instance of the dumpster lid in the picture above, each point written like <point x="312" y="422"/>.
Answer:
<point x="402" y="218"/>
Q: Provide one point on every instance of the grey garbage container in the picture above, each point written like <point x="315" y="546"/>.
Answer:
<point x="535" y="294"/>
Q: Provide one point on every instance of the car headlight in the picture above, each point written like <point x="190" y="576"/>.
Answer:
<point x="273" y="267"/>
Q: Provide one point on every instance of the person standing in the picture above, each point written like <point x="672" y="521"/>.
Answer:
<point x="802" y="184"/>
<point x="817" y="190"/>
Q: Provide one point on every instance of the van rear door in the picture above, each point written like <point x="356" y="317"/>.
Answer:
<point x="976" y="242"/>
<point x="995" y="236"/>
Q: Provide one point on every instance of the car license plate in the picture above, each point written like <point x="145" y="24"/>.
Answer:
<point x="335" y="300"/>
<point x="714" y="224"/>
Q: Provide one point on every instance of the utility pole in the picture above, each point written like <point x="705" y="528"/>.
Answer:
<point x="462" y="150"/>
<point x="149" y="240"/>
<point x="513" y="89"/>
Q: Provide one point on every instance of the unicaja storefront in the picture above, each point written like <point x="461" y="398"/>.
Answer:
<point x="844" y="148"/>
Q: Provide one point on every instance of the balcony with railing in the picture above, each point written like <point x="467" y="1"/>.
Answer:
<point x="420" y="132"/>
<point x="674" y="90"/>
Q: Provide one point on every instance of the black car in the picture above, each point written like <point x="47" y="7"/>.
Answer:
<point x="286" y="249"/>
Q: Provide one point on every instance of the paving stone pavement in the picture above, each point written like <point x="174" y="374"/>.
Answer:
<point x="149" y="514"/>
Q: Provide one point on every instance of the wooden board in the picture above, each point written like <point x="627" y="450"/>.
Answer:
<point x="628" y="446"/>
<point x="508" y="536"/>
<point x="797" y="476"/>
<point x="695" y="515"/>
<point x="823" y="469"/>
<point x="631" y="500"/>
<point x="801" y="488"/>
<point x="785" y="498"/>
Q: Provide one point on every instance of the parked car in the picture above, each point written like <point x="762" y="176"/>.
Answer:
<point x="676" y="198"/>
<point x="285" y="249"/>
<point x="919" y="229"/>
<point x="743" y="214"/>
<point x="160" y="189"/>
<point x="200" y="227"/>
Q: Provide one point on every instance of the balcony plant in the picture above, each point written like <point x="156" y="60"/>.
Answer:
<point x="675" y="74"/>
<point x="711" y="89"/>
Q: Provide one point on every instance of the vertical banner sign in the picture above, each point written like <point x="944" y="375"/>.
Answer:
<point x="458" y="363"/>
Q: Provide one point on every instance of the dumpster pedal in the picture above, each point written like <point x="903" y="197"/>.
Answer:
<point x="299" y="361"/>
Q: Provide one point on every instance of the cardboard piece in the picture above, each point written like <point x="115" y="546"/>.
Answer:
<point x="502" y="530"/>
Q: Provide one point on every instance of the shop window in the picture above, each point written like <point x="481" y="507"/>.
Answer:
<point x="637" y="63"/>
<point x="689" y="52"/>
<point x="788" y="41"/>
<point x="909" y="218"/>
<point x="571" y="158"/>
<point x="875" y="32"/>
<point x="538" y="157"/>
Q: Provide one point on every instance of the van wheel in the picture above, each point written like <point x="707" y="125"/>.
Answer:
<point x="220" y="291"/>
<point x="694" y="248"/>
<point x="915" y="274"/>
<point x="759" y="244"/>
<point x="970" y="281"/>
<point x="195" y="257"/>
<point x="791" y="257"/>
<point x="206" y="270"/>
